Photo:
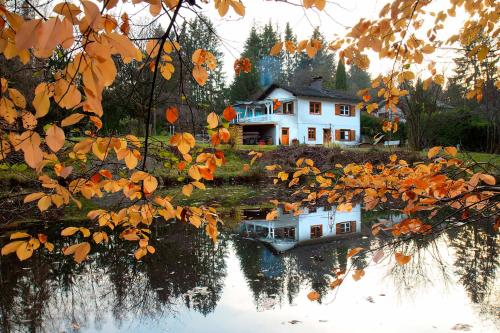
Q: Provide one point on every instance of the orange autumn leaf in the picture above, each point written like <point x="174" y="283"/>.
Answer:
<point x="358" y="274"/>
<point x="55" y="138"/>
<point x="229" y="113"/>
<point x="171" y="114"/>
<point x="401" y="259"/>
<point x="79" y="251"/>
<point x="433" y="152"/>
<point x="212" y="120"/>
<point x="313" y="296"/>
<point x="353" y="252"/>
<point x="451" y="151"/>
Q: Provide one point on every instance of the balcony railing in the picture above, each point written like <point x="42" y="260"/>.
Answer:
<point x="262" y="118"/>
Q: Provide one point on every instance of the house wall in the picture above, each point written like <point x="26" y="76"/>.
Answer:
<point x="286" y="121"/>
<point x="302" y="120"/>
<point x="320" y="217"/>
<point x="327" y="120"/>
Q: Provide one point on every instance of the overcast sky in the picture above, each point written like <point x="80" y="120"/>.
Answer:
<point x="338" y="16"/>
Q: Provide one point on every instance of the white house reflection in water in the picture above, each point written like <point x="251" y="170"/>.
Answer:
<point x="313" y="225"/>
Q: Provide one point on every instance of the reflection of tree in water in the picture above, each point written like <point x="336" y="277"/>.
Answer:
<point x="475" y="262"/>
<point x="281" y="276"/>
<point x="476" y="259"/>
<point x="52" y="293"/>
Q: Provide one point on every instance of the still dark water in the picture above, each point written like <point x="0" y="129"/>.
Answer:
<point x="240" y="285"/>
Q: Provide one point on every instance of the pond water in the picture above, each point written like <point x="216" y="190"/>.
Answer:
<point x="242" y="285"/>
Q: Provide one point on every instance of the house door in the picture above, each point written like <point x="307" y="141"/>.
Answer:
<point x="327" y="135"/>
<point x="285" y="136"/>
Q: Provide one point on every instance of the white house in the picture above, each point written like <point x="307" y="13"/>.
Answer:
<point x="308" y="114"/>
<point x="288" y="231"/>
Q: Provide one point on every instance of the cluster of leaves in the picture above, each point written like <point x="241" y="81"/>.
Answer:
<point x="90" y="38"/>
<point x="398" y="34"/>
<point x="422" y="188"/>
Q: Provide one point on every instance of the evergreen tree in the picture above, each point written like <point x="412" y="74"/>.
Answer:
<point x="247" y="84"/>
<point x="323" y="64"/>
<point x="269" y="66"/>
<point x="199" y="33"/>
<point x="358" y="79"/>
<point x="341" y="76"/>
<point x="290" y="60"/>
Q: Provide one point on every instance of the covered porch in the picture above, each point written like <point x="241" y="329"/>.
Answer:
<point x="259" y="134"/>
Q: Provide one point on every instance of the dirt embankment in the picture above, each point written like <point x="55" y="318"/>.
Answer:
<point x="325" y="158"/>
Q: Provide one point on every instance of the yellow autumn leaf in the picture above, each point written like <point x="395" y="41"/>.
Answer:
<point x="33" y="197"/>
<point x="79" y="251"/>
<point x="150" y="184"/>
<point x="11" y="247"/>
<point x="24" y="251"/>
<point x="433" y="151"/>
<point x="187" y="190"/>
<point x="69" y="231"/>
<point x="451" y="151"/>
<point x="44" y="203"/>
<point x="212" y="120"/>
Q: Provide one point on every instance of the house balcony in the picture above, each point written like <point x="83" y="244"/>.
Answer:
<point x="262" y="112"/>
<point x="272" y="118"/>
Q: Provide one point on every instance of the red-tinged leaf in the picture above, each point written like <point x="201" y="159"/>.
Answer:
<point x="229" y="113"/>
<point x="171" y="114"/>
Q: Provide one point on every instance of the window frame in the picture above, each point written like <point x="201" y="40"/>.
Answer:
<point x="316" y="227"/>
<point x="342" y="110"/>
<point x="308" y="132"/>
<point x="345" y="227"/>
<point x="285" y="107"/>
<point x="312" y="107"/>
<point x="343" y="131"/>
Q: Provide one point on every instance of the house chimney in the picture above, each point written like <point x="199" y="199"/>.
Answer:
<point x="317" y="83"/>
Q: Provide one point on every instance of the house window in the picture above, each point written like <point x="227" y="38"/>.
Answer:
<point x="315" y="107"/>
<point x="311" y="134"/>
<point x="344" y="135"/>
<point x="345" y="110"/>
<point x="288" y="108"/>
<point x="316" y="231"/>
<point x="344" y="228"/>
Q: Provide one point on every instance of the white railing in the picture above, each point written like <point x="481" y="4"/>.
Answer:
<point x="275" y="117"/>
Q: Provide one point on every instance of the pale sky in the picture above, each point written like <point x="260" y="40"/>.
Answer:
<point x="333" y="22"/>
<point x="337" y="17"/>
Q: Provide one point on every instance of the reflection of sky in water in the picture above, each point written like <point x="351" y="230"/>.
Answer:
<point x="372" y="304"/>
<point x="252" y="290"/>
